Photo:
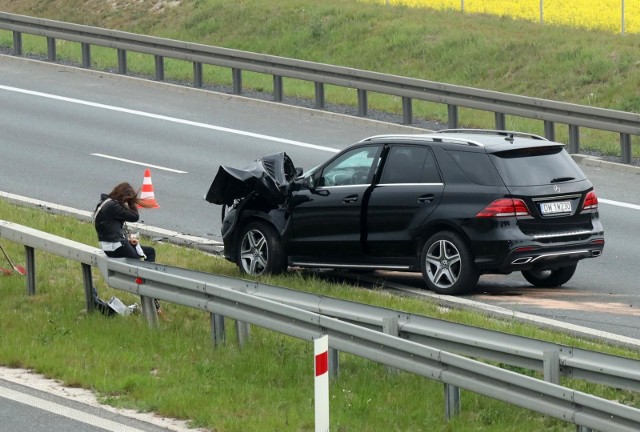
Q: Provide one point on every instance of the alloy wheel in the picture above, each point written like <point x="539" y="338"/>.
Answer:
<point x="443" y="264"/>
<point x="254" y="252"/>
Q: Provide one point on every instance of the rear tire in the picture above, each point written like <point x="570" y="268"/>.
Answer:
<point x="260" y="250"/>
<point x="549" y="278"/>
<point x="447" y="264"/>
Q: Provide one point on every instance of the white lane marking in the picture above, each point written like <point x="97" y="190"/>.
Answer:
<point x="218" y="128"/>
<point x="170" y="119"/>
<point x="86" y="397"/>
<point x="619" y="204"/>
<point x="138" y="163"/>
<point x="64" y="411"/>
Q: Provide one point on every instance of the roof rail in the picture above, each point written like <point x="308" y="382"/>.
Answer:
<point x="505" y="133"/>
<point x="426" y="137"/>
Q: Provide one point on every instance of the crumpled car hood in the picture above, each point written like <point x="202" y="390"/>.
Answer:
<point x="270" y="177"/>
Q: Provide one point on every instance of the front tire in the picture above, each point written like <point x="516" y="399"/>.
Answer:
<point x="447" y="264"/>
<point x="550" y="278"/>
<point x="260" y="250"/>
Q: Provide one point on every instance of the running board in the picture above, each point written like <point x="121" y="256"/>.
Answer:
<point x="351" y="266"/>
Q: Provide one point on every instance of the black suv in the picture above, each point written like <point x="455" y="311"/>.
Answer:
<point x="453" y="205"/>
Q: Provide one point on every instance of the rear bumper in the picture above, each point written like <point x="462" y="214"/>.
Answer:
<point x="542" y="258"/>
<point x="515" y="251"/>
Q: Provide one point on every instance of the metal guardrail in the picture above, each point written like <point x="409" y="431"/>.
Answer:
<point x="240" y="300"/>
<point x="553" y="359"/>
<point x="501" y="104"/>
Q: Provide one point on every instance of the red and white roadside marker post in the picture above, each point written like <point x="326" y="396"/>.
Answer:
<point x="321" y="368"/>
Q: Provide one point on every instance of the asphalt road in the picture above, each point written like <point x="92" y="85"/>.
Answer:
<point x="70" y="134"/>
<point x="31" y="403"/>
<point x="50" y="145"/>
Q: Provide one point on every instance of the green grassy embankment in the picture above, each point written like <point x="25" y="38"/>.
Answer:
<point x="267" y="385"/>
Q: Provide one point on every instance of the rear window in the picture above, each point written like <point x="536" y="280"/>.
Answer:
<point x="536" y="166"/>
<point x="477" y="167"/>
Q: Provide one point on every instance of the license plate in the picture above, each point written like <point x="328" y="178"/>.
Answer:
<point x="555" y="207"/>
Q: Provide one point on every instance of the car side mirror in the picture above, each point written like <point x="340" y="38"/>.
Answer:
<point x="309" y="182"/>
<point x="299" y="172"/>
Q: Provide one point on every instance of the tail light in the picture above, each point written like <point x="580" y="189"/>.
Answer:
<point x="504" y="207"/>
<point x="590" y="202"/>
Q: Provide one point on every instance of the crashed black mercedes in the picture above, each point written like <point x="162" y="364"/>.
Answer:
<point x="453" y="205"/>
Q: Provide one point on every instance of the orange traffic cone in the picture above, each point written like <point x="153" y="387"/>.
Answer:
<point x="146" y="195"/>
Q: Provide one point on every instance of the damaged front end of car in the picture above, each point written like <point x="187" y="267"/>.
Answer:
<point x="259" y="191"/>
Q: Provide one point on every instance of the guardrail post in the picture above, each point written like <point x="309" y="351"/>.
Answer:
<point x="159" y="68"/>
<point x="30" y="255"/>
<point x="17" y="43"/>
<point x="390" y="326"/>
<point x="88" y="287"/>
<point x="197" y="74"/>
<point x="319" y="95"/>
<point x="86" y="55"/>
<point x="625" y="148"/>
<point x="51" y="49"/>
<point x="334" y="362"/>
<point x="236" y="77"/>
<point x="583" y="429"/>
<point x="122" y="62"/>
<point x="574" y="139"/>
<point x="549" y="130"/>
<point x="277" y="88"/>
<point x="501" y="121"/>
<point x="242" y="328"/>
<point x="451" y="401"/>
<point x="452" y="113"/>
<point x="149" y="310"/>
<point x="551" y="366"/>
<point x="407" y="110"/>
<point x="217" y="329"/>
<point x="362" y="103"/>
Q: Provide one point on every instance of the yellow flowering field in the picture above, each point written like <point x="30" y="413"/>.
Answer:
<point x="592" y="14"/>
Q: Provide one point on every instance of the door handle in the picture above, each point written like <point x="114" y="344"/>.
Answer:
<point x="350" y="199"/>
<point x="426" y="198"/>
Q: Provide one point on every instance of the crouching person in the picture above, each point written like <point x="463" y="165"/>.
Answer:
<point x="110" y="218"/>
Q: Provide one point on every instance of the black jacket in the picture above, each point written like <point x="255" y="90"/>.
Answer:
<point x="109" y="221"/>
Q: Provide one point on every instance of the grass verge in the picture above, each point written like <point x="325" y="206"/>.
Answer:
<point x="265" y="386"/>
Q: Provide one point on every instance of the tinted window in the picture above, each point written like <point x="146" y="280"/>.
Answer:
<point x="477" y="167"/>
<point x="536" y="166"/>
<point x="353" y="167"/>
<point x="410" y="164"/>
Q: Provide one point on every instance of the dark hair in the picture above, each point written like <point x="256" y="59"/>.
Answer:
<point x="126" y="194"/>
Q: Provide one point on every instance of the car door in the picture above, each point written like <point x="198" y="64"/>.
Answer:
<point x="408" y="191"/>
<point x="326" y="219"/>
